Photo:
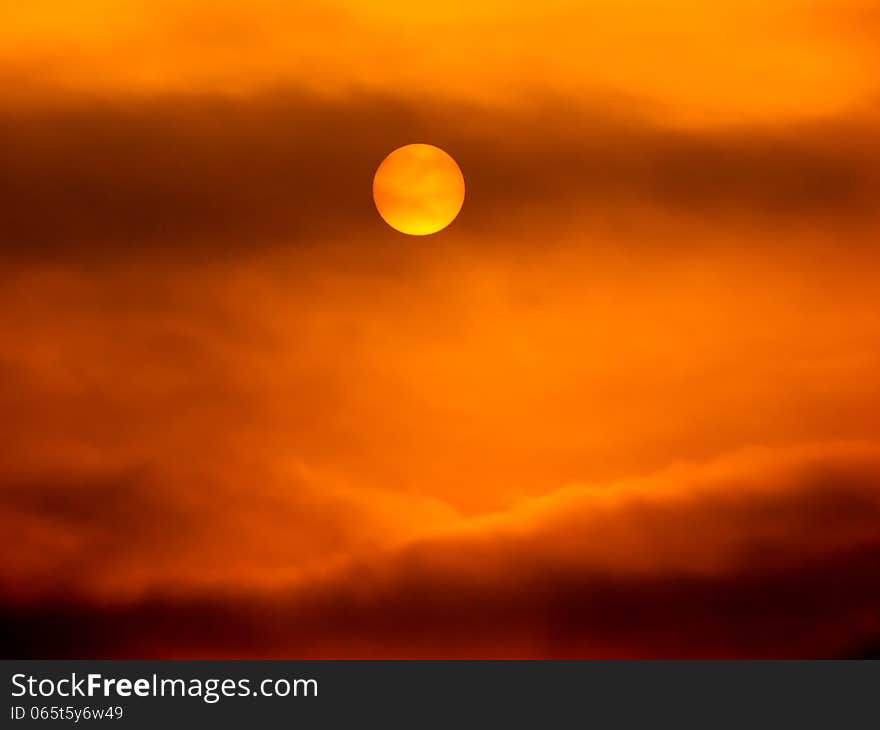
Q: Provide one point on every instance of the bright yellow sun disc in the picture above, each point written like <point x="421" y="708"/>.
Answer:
<point x="418" y="189"/>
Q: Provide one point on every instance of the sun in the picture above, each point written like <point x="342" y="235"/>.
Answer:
<point x="418" y="189"/>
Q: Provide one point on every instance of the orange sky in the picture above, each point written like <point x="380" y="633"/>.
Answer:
<point x="640" y="368"/>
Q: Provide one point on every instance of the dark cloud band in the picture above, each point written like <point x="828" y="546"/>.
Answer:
<point x="177" y="173"/>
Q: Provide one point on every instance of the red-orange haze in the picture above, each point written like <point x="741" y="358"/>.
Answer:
<point x="627" y="405"/>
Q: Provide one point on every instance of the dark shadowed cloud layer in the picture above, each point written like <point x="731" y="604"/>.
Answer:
<point x="173" y="172"/>
<point x="760" y="556"/>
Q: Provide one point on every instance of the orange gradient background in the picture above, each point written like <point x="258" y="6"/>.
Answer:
<point x="627" y="405"/>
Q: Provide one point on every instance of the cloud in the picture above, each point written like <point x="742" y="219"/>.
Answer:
<point x="242" y="417"/>
<point x="160" y="527"/>
<point x="209" y="173"/>
<point x="761" y="555"/>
